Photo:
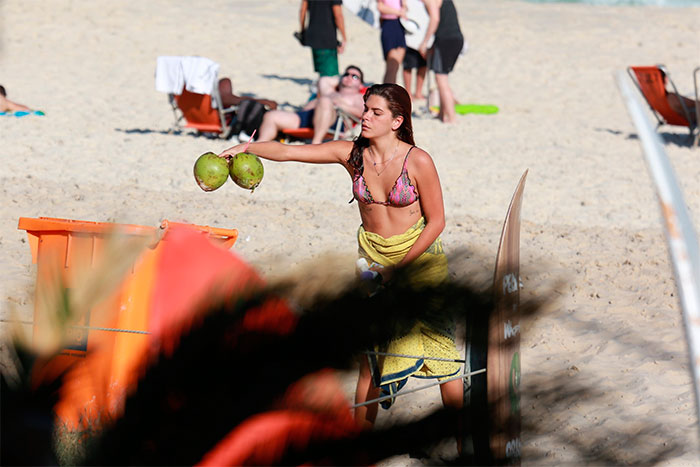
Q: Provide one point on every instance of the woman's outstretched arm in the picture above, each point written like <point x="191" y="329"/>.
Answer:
<point x="325" y="153"/>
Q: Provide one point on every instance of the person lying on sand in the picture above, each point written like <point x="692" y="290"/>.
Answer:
<point x="6" y="105"/>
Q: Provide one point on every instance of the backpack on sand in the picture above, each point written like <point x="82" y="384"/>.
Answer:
<point x="248" y="117"/>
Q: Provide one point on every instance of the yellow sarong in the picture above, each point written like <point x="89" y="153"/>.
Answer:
<point x="426" y="339"/>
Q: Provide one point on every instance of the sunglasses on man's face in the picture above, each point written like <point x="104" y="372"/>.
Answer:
<point x="355" y="77"/>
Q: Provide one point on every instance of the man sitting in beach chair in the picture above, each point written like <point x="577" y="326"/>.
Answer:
<point x="320" y="113"/>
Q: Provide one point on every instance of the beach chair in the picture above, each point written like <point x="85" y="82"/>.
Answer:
<point x="697" y="103"/>
<point x="651" y="82"/>
<point x="192" y="86"/>
<point x="346" y="127"/>
<point x="196" y="111"/>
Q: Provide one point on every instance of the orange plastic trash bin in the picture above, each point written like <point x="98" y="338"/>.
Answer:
<point x="119" y="332"/>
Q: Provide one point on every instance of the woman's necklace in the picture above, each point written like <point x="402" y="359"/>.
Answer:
<point x="386" y="163"/>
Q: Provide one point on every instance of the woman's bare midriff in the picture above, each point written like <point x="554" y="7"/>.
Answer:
<point x="388" y="221"/>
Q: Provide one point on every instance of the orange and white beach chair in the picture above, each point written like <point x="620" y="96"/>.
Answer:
<point x="651" y="82"/>
<point x="192" y="110"/>
<point x="192" y="86"/>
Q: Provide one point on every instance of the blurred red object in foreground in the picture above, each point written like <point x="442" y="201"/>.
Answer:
<point x="313" y="409"/>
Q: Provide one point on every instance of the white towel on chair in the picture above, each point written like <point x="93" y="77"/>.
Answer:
<point x="197" y="74"/>
<point x="200" y="74"/>
<point x="169" y="76"/>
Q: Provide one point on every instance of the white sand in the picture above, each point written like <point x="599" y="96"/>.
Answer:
<point x="590" y="214"/>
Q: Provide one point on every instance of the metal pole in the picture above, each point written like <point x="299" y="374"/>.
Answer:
<point x="403" y="393"/>
<point x="89" y="328"/>
<point x="682" y="241"/>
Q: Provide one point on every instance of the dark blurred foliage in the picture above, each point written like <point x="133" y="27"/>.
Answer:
<point x="26" y="420"/>
<point x="224" y="371"/>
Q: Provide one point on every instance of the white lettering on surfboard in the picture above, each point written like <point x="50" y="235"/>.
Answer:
<point x="509" y="330"/>
<point x="513" y="448"/>
<point x="511" y="283"/>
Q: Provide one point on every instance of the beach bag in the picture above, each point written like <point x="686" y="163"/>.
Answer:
<point x="301" y="37"/>
<point x="249" y="116"/>
<point x="366" y="14"/>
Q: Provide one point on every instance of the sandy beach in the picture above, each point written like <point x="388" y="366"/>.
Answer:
<point x="590" y="216"/>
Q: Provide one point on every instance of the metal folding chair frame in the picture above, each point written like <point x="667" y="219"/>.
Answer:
<point x="697" y="105"/>
<point x="351" y="124"/>
<point x="223" y="112"/>
<point x="694" y="128"/>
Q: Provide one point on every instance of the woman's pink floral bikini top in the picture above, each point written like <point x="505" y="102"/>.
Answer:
<point x="403" y="193"/>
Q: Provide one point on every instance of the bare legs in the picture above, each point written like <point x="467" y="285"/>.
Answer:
<point x="367" y="414"/>
<point x="407" y="77"/>
<point x="420" y="79"/>
<point x="274" y="121"/>
<point x="327" y="85"/>
<point x="452" y="394"/>
<point x="394" y="59"/>
<point x="324" y="116"/>
<point x="447" y="100"/>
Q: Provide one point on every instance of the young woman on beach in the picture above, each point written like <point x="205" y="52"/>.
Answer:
<point x="398" y="193"/>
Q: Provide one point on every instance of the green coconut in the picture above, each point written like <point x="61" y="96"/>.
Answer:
<point x="210" y="171"/>
<point x="246" y="170"/>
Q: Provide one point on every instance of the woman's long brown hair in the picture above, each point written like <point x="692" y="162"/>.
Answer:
<point x="399" y="103"/>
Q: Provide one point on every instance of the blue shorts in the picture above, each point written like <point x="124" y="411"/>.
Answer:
<point x="392" y="35"/>
<point x="307" y="118"/>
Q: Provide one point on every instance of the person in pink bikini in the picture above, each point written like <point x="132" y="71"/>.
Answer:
<point x="398" y="193"/>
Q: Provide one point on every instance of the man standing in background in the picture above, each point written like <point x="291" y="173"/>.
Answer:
<point x="325" y="19"/>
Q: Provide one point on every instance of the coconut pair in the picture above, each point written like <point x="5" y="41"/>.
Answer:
<point x="212" y="171"/>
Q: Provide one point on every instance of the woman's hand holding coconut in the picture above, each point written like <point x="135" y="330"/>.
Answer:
<point x="232" y="151"/>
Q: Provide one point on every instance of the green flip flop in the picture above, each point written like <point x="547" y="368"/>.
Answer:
<point x="463" y="109"/>
<point x="475" y="109"/>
